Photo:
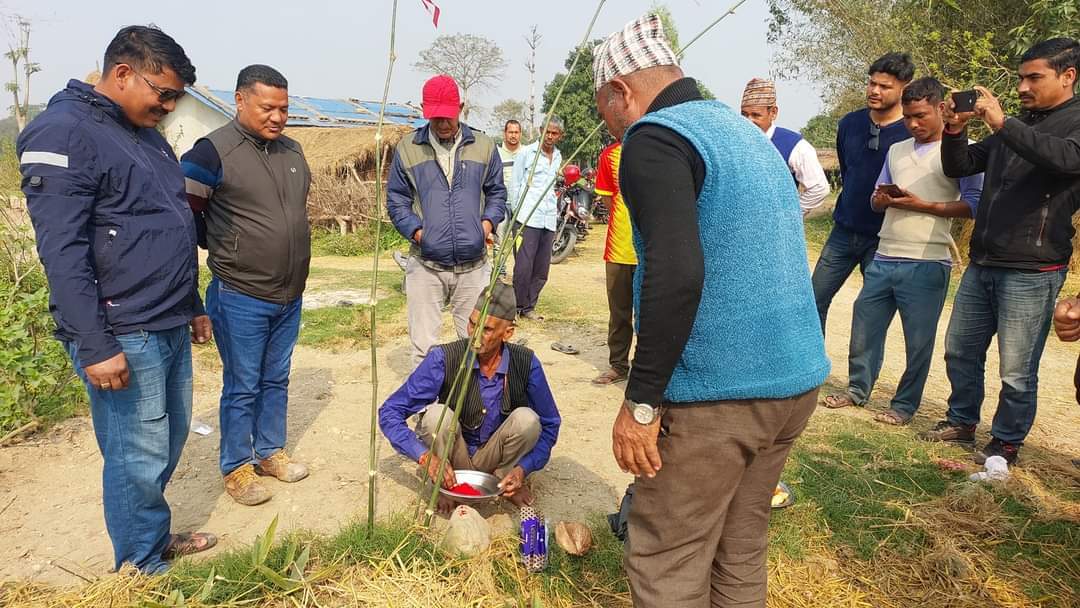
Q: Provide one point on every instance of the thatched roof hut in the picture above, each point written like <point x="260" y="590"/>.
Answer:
<point x="335" y="151"/>
<point x="828" y="159"/>
<point x="343" y="177"/>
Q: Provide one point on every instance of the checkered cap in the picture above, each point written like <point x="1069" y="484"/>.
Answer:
<point x="639" y="45"/>
<point x="759" y="92"/>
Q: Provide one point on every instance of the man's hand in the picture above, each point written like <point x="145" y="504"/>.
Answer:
<point x="418" y="235"/>
<point x="908" y="201"/>
<point x="513" y="481"/>
<point x="955" y="122"/>
<point x="109" y="375"/>
<point x="988" y="108"/>
<point x="488" y="229"/>
<point x="881" y="201"/>
<point x="431" y="462"/>
<point x="1067" y="319"/>
<point x="634" y="444"/>
<point x="201" y="329"/>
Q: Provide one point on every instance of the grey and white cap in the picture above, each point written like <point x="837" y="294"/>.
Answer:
<point x="639" y="45"/>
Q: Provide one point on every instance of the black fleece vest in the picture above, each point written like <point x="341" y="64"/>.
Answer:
<point x="514" y="390"/>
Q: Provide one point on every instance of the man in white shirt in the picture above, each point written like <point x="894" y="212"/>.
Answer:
<point x="511" y="145"/>
<point x="759" y="107"/>
<point x="539" y="214"/>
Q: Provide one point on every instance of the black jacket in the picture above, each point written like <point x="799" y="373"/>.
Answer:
<point x="1031" y="188"/>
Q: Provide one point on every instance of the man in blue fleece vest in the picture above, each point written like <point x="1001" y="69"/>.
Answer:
<point x="730" y="355"/>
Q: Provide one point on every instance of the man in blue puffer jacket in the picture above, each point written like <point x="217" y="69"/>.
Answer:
<point x="445" y="194"/>
<point x="106" y="197"/>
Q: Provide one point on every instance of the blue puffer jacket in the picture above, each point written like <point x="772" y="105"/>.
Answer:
<point x="419" y="197"/>
<point x="113" y="226"/>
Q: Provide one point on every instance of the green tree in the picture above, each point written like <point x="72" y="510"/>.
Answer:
<point x="820" y="130"/>
<point x="577" y="107"/>
<point x="962" y="42"/>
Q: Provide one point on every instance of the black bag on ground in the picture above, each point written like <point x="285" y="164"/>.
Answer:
<point x="618" y="521"/>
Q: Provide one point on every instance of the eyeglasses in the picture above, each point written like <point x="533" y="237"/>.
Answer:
<point x="874" y="143"/>
<point x="164" y="95"/>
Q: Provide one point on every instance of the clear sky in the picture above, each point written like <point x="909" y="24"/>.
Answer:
<point x="338" y="48"/>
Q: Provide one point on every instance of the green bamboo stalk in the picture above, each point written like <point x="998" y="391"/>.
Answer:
<point x="457" y="390"/>
<point x="372" y="469"/>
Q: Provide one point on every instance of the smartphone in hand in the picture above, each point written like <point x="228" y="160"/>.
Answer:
<point x="892" y="190"/>
<point x="964" y="101"/>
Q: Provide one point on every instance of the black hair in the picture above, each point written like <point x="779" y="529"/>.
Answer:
<point x="511" y="122"/>
<point x="259" y="73"/>
<point x="897" y="65"/>
<point x="1060" y="53"/>
<point x="927" y="87"/>
<point x="150" y="49"/>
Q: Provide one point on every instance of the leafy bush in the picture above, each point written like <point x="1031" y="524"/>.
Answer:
<point x="37" y="382"/>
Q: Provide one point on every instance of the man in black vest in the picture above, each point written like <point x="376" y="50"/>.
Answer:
<point x="509" y="421"/>
<point x="247" y="184"/>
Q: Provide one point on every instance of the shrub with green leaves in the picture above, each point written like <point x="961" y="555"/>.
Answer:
<point x="37" y="382"/>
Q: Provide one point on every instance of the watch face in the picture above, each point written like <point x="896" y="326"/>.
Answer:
<point x="643" y="414"/>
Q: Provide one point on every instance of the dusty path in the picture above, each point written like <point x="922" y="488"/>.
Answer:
<point x="50" y="500"/>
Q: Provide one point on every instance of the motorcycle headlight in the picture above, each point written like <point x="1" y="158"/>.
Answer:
<point x="582" y="214"/>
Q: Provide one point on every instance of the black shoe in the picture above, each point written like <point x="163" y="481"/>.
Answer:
<point x="952" y="433"/>
<point x="997" y="447"/>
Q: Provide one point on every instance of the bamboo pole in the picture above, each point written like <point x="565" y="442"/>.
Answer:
<point x="372" y="465"/>
<point x="457" y="390"/>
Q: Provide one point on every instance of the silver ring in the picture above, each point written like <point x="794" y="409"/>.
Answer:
<point x="106" y="386"/>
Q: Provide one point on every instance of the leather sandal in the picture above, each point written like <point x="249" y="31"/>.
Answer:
<point x="188" y="543"/>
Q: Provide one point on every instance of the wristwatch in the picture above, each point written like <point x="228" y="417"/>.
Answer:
<point x="643" y="413"/>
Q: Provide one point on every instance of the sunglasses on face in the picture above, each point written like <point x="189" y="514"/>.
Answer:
<point x="164" y="95"/>
<point x="874" y="143"/>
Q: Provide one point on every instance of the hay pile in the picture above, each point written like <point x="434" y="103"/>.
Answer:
<point x="342" y="165"/>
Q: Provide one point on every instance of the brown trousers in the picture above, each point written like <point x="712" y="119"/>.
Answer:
<point x="698" y="531"/>
<point x="620" y="300"/>
<point x="514" y="438"/>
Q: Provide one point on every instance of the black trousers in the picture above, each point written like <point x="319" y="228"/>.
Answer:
<point x="532" y="259"/>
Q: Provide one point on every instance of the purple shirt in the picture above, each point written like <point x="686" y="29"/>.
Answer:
<point x="421" y="389"/>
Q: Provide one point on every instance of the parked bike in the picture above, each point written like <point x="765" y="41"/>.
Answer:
<point x="575" y="198"/>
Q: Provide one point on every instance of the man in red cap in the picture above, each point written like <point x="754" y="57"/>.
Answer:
<point x="445" y="194"/>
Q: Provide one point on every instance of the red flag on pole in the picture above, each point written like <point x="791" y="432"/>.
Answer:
<point x="433" y="9"/>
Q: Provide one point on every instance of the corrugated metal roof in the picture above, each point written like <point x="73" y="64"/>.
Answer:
<point x="320" y="111"/>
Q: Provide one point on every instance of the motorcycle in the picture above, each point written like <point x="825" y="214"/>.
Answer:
<point x="599" y="211"/>
<point x="574" y="210"/>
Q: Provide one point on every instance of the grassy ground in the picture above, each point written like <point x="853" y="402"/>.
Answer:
<point x="877" y="522"/>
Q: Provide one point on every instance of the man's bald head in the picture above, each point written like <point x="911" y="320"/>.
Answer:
<point x="624" y="99"/>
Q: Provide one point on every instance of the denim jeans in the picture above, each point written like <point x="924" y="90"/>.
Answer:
<point x="141" y="431"/>
<point x="255" y="339"/>
<point x="1018" y="306"/>
<point x="915" y="289"/>
<point x="843" y="251"/>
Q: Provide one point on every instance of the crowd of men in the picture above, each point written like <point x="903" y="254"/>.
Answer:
<point x="706" y="267"/>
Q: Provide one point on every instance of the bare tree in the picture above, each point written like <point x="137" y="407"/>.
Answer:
<point x="473" y="61"/>
<point x="533" y="40"/>
<point x="507" y="109"/>
<point x="19" y="53"/>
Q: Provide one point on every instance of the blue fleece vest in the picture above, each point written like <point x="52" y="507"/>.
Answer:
<point x="757" y="334"/>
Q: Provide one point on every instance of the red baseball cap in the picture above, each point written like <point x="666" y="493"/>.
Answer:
<point x="441" y="98"/>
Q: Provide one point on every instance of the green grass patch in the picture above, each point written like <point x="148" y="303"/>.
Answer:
<point x="362" y="242"/>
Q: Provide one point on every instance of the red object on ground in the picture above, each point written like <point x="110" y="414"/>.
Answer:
<point x="466" y="489"/>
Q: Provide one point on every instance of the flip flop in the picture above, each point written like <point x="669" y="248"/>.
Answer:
<point x="566" y="349"/>
<point x="892" y="417"/>
<point x="188" y="543"/>
<point x="837" y="401"/>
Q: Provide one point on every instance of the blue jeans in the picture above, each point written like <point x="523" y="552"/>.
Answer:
<point x="915" y="289"/>
<point x="1018" y="306"/>
<point x="843" y="251"/>
<point x="255" y="339"/>
<point x="141" y="431"/>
